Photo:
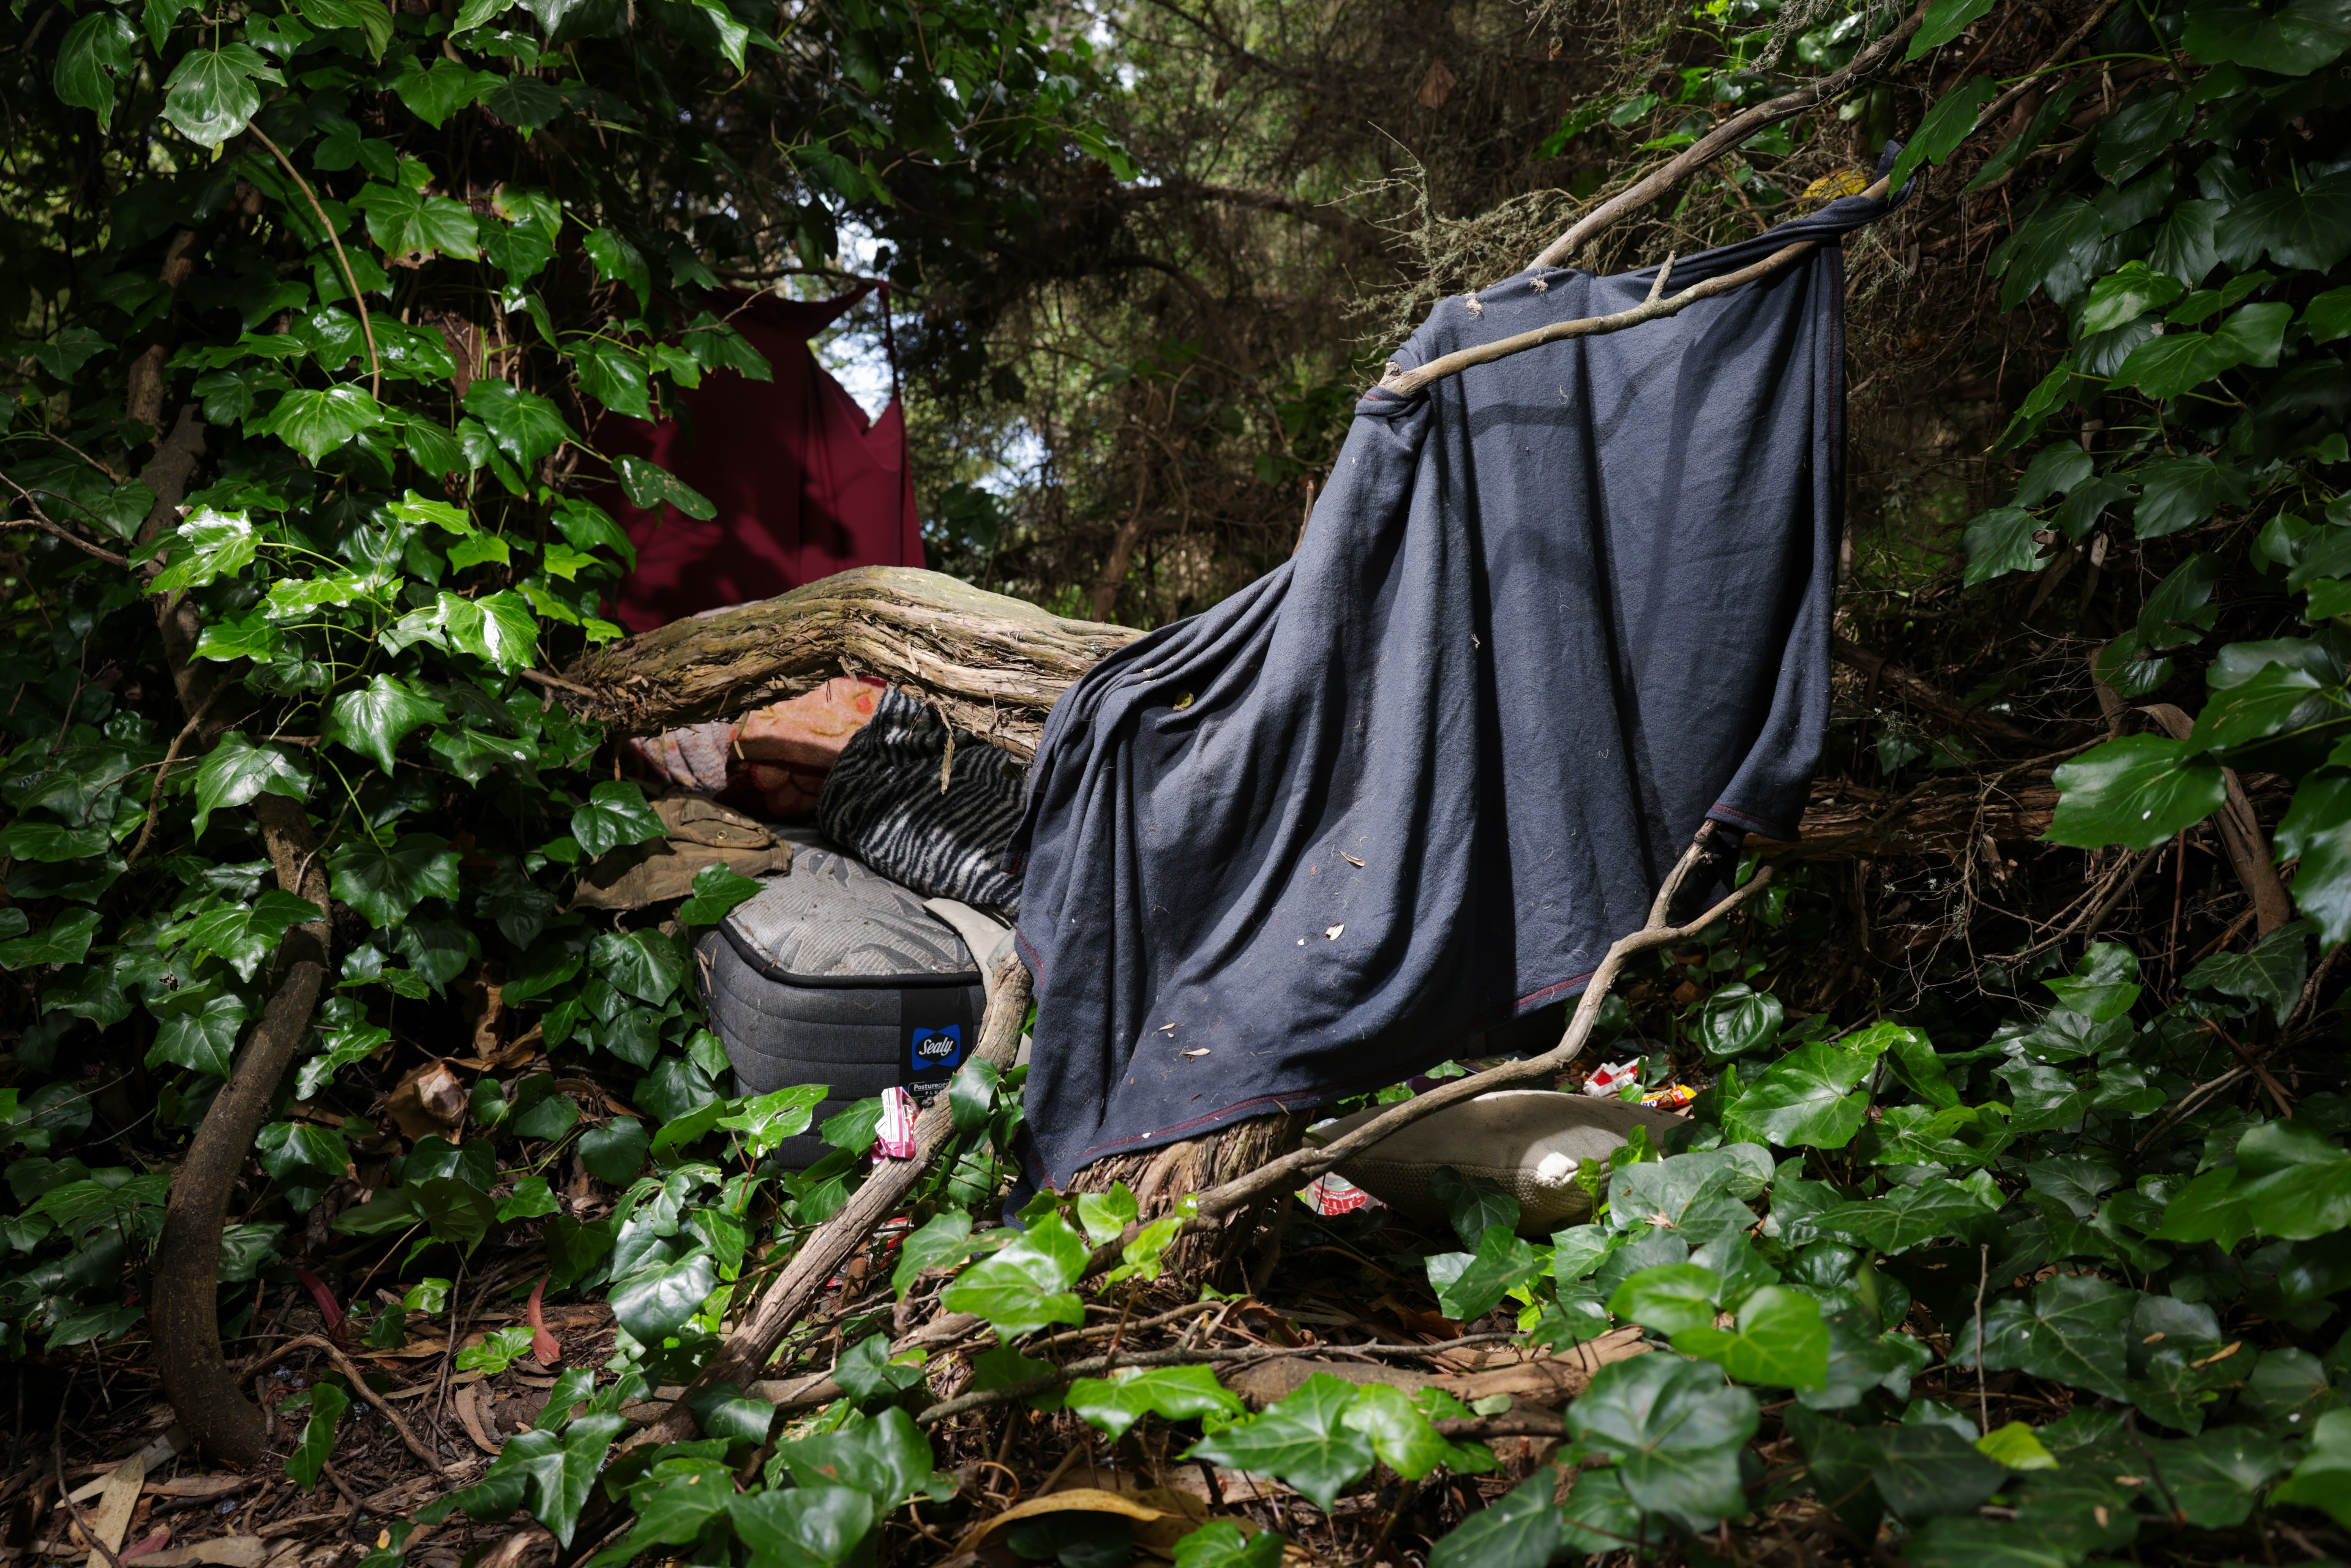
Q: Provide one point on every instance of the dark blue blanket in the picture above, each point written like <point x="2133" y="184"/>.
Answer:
<point x="1550" y="615"/>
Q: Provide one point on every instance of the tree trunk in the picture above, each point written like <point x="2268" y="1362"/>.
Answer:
<point x="185" y="1318"/>
<point x="1223" y="1255"/>
<point x="994" y="664"/>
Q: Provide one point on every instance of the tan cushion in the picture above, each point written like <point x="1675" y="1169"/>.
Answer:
<point x="1528" y="1142"/>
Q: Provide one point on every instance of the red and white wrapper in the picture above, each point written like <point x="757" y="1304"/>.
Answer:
<point x="1610" y="1077"/>
<point x="1329" y="1195"/>
<point x="895" y="1139"/>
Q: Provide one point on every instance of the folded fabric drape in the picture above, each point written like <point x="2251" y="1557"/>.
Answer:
<point x="1549" y="615"/>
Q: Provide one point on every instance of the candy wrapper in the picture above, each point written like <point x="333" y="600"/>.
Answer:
<point x="1610" y="1077"/>
<point x="1672" y="1099"/>
<point x="895" y="1140"/>
<point x="1330" y="1195"/>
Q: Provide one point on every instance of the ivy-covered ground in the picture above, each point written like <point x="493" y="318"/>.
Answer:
<point x="2011" y="1220"/>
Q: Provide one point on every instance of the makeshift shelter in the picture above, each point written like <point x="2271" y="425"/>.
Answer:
<point x="1550" y="614"/>
<point x="804" y="483"/>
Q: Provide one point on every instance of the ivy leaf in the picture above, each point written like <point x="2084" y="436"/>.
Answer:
<point x="2136" y="792"/>
<point x="942" y="1242"/>
<point x="197" y="1031"/>
<point x="1305" y="1441"/>
<point x="370" y="18"/>
<point x="618" y="261"/>
<point x="648" y="485"/>
<point x="218" y="544"/>
<point x="210" y="95"/>
<point x="1805" y="1099"/>
<point x="500" y="630"/>
<point x="806" y="1527"/>
<point x="655" y="1302"/>
<point x="614" y="814"/>
<point x="1027" y="1285"/>
<point x="433" y="95"/>
<point x="94" y="51"/>
<point x="238" y="770"/>
<point x="615" y="1151"/>
<point x="2323" y="1478"/>
<point x="2074" y="1332"/>
<point x="66" y="941"/>
<point x="1175" y="1393"/>
<point x="316" y="421"/>
<point x="2217" y="1478"/>
<point x="1675" y="1430"/>
<point x="718" y="888"/>
<point x="1105" y="1216"/>
<point x="414" y="225"/>
<point x="526" y="425"/>
<point x="1698" y="1198"/>
<point x="373" y="719"/>
<point x="308" y="1462"/>
<point x="1737" y="1020"/>
<point x="615" y="375"/>
<point x="383" y="884"/>
<point x="1944" y="128"/>
<point x="2178" y="493"/>
<point x="1521" y="1530"/>
<point x="1945" y="20"/>
<point x="2292" y="40"/>
<point x="1926" y="1470"/>
<point x="2306" y="229"/>
<point x="1219" y="1543"/>
<point x="2317" y="828"/>
<point x="2121" y="296"/>
<point x="2103" y="986"/>
<point x="644" y="963"/>
<point x="1470" y="1285"/>
<point x="1670" y="1297"/>
<point x="2167" y="366"/>
<point x="1906" y="1217"/>
<point x="2000" y="542"/>
<point x="2136" y="134"/>
<point x="1781" y="1341"/>
<point x="2272" y="972"/>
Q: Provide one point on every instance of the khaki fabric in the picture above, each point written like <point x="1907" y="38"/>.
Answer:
<point x="701" y="834"/>
<point x="1528" y="1142"/>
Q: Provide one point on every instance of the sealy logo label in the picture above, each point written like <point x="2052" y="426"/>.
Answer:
<point x="932" y="1049"/>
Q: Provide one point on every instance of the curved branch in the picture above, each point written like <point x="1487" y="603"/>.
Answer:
<point x="1295" y="1169"/>
<point x="1729" y="134"/>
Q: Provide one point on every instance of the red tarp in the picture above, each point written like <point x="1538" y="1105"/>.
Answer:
<point x="805" y="486"/>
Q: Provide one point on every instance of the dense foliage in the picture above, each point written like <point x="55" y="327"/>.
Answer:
<point x="320" y="311"/>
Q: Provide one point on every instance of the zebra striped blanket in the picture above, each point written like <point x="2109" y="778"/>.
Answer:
<point x="884" y="803"/>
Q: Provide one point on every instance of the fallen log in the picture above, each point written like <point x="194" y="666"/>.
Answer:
<point x="1945" y="815"/>
<point x="993" y="665"/>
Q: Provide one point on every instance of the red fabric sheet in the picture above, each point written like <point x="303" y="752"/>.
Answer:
<point x="805" y="486"/>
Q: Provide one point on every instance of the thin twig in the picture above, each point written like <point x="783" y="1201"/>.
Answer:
<point x="65" y="1493"/>
<point x="1983" y="1399"/>
<point x="1094" y="1366"/>
<point x="41" y="521"/>
<point x="171" y="756"/>
<point x="1728" y="135"/>
<point x="1655" y="309"/>
<point x="358" y="1384"/>
<point x="375" y="366"/>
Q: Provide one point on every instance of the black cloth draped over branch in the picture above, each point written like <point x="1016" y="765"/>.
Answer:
<point x="1550" y="614"/>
